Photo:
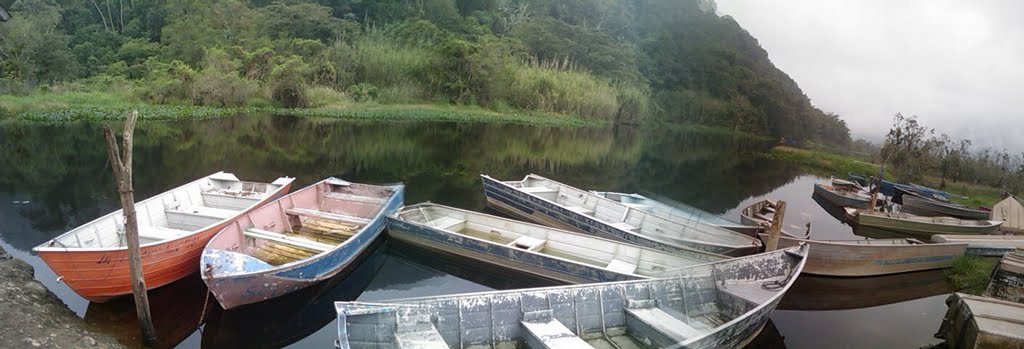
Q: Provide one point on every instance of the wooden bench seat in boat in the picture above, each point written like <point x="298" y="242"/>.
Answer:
<point x="196" y="217"/>
<point x="419" y="333"/>
<point x="356" y="198"/>
<point x="621" y="266"/>
<point x="528" y="243"/>
<point x="658" y="326"/>
<point x="288" y="239"/>
<point x="445" y="222"/>
<point x="641" y="207"/>
<point x="305" y="212"/>
<point x="579" y="209"/>
<point x="160" y="233"/>
<point x="542" y="330"/>
<point x="229" y="200"/>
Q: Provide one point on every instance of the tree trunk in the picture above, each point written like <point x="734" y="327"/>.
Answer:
<point x="776" y="228"/>
<point x="121" y="164"/>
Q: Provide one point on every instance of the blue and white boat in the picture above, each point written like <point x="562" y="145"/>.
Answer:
<point x="535" y="249"/>
<point x="551" y="203"/>
<point x="303" y="238"/>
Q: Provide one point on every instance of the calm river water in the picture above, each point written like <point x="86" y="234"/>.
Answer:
<point x="54" y="177"/>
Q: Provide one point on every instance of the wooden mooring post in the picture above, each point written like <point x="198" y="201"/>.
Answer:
<point x="776" y="228"/>
<point x="121" y="164"/>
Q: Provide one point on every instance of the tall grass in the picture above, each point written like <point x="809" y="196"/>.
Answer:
<point x="971" y="273"/>
<point x="561" y="91"/>
<point x="383" y="63"/>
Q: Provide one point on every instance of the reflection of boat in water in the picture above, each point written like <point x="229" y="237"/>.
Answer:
<point x="835" y="211"/>
<point x="175" y="308"/>
<point x="287" y="319"/>
<point x="769" y="338"/>
<point x="812" y="292"/>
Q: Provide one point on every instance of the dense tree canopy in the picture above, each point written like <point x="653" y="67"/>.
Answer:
<point x="622" y="60"/>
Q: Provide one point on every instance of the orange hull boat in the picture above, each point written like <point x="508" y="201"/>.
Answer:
<point x="173" y="229"/>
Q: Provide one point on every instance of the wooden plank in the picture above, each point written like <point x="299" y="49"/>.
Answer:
<point x="326" y="215"/>
<point x="286" y="239"/>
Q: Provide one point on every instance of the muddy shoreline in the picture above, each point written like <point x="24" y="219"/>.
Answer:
<point x="33" y="317"/>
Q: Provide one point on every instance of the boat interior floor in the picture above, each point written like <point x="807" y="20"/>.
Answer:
<point x="308" y="236"/>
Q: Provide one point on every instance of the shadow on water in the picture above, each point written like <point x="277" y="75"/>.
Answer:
<point x="811" y="292"/>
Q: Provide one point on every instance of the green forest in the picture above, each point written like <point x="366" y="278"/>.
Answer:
<point x="612" y="61"/>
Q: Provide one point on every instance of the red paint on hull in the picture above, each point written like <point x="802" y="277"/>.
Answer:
<point x="99" y="275"/>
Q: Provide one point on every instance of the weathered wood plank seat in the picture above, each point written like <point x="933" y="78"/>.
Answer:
<point x="287" y="239"/>
<point x="445" y="222"/>
<point x="355" y="198"/>
<point x="663" y="329"/>
<point x="752" y="292"/>
<point x="544" y="331"/>
<point x="621" y="266"/>
<point x="326" y="215"/>
<point x="625" y="226"/>
<point x="228" y="201"/>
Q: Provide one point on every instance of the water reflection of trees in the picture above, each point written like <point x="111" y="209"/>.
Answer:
<point x="64" y="170"/>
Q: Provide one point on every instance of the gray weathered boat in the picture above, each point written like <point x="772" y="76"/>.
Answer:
<point x="716" y="305"/>
<point x="759" y="213"/>
<point x="974" y="322"/>
<point x="862" y="257"/>
<point x="1008" y="279"/>
<point x="921" y="226"/>
<point x="984" y="245"/>
<point x="843" y="198"/>
<point x="547" y="252"/>
<point x="678" y="211"/>
<point x="558" y="205"/>
<point x="938" y="208"/>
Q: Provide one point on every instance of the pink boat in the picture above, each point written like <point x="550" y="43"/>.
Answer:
<point x="303" y="238"/>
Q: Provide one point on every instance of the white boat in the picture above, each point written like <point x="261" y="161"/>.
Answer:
<point x="677" y="211"/>
<point x="716" y="305"/>
<point x="559" y="205"/>
<point x="547" y="252"/>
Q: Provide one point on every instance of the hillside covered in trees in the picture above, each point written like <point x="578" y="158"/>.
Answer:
<point x="628" y="61"/>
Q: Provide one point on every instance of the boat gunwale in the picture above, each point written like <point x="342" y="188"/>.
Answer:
<point x="263" y="201"/>
<point x="727" y="222"/>
<point x="583" y="235"/>
<point x="662" y="238"/>
<point x="848" y="243"/>
<point x="886" y="216"/>
<point x="382" y="213"/>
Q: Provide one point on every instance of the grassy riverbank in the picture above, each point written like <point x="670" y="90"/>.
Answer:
<point x="826" y="164"/>
<point x="971" y="273"/>
<point x="820" y="162"/>
<point x="99" y="106"/>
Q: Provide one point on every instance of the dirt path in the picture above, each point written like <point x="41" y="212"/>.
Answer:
<point x="33" y="317"/>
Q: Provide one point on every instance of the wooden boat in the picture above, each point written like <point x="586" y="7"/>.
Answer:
<point x="982" y="322"/>
<point x="759" y="213"/>
<point x="299" y="240"/>
<point x="812" y="292"/>
<point x="885" y="187"/>
<point x="842" y="184"/>
<point x="1008" y="279"/>
<point x="936" y="208"/>
<point x="867" y="257"/>
<point x="558" y="205"/>
<point x="677" y="211"/>
<point x="843" y="198"/>
<point x="921" y="226"/>
<point x="984" y="245"/>
<point x="547" y="252"/>
<point x="716" y="305"/>
<point x="173" y="226"/>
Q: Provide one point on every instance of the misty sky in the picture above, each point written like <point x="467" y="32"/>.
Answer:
<point x="957" y="65"/>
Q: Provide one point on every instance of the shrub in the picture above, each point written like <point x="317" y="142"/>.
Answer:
<point x="362" y="92"/>
<point x="321" y="96"/>
<point x="288" y="83"/>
